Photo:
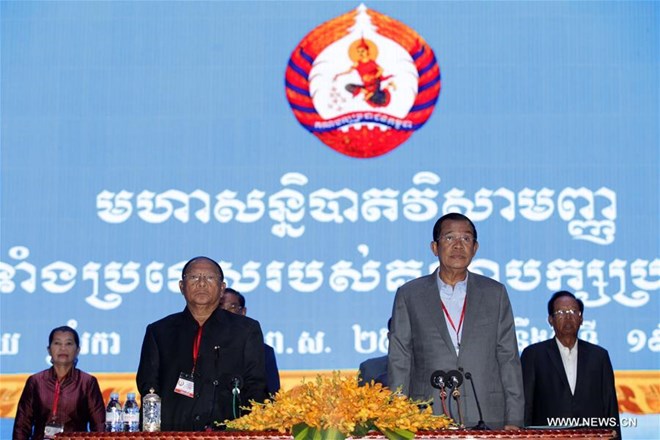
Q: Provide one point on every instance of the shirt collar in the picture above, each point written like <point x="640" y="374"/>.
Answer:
<point x="71" y="375"/>
<point x="447" y="289"/>
<point x="564" y="348"/>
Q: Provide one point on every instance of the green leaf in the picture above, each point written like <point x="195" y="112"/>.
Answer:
<point x="300" y="431"/>
<point x="363" y="429"/>
<point x="398" y="434"/>
<point x="332" y="434"/>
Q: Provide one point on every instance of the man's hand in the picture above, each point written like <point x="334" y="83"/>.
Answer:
<point x="511" y="428"/>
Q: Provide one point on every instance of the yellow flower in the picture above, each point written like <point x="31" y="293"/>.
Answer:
<point x="337" y="403"/>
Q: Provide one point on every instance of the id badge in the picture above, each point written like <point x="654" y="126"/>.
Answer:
<point x="185" y="385"/>
<point x="52" y="428"/>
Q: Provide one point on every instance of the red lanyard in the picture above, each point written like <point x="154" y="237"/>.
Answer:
<point x="198" y="341"/>
<point x="56" y="400"/>
<point x="451" y="322"/>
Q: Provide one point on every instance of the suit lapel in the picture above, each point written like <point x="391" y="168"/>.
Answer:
<point x="582" y="358"/>
<point x="432" y="307"/>
<point x="472" y="312"/>
<point x="555" y="361"/>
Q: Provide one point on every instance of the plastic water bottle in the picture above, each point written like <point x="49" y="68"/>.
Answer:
<point x="151" y="412"/>
<point x="131" y="414"/>
<point x="113" y="414"/>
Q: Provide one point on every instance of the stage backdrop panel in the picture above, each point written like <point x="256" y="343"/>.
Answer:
<point x="136" y="135"/>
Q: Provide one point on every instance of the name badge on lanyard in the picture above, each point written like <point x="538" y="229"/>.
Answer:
<point x="54" y="425"/>
<point x="186" y="383"/>
<point x="53" y="428"/>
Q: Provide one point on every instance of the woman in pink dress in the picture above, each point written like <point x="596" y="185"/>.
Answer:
<point x="61" y="398"/>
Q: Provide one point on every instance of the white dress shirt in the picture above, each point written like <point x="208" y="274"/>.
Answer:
<point x="453" y="298"/>
<point x="569" y="358"/>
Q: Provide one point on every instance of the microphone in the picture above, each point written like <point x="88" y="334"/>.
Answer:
<point x="439" y="382"/>
<point x="236" y="383"/>
<point x="454" y="379"/>
<point x="438" y="379"/>
<point x="481" y="425"/>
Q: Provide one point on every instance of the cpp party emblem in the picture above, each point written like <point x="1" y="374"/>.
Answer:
<point x="362" y="83"/>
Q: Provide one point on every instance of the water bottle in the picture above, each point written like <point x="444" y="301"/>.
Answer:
<point x="151" y="412"/>
<point x="131" y="414"/>
<point x="113" y="414"/>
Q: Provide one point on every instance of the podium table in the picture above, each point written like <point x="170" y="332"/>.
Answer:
<point x="526" y="434"/>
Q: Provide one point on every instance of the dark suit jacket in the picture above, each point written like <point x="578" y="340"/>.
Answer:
<point x="374" y="369"/>
<point x="231" y="345"/>
<point x="420" y="344"/>
<point x="272" y="373"/>
<point x="547" y="393"/>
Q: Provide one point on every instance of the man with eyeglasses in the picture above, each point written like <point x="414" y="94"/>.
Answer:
<point x="566" y="377"/>
<point x="234" y="301"/>
<point x="196" y="359"/>
<point x="457" y="320"/>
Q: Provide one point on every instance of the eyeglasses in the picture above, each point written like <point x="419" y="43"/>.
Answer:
<point x="196" y="278"/>
<point x="232" y="307"/>
<point x="451" y="238"/>
<point x="567" y="313"/>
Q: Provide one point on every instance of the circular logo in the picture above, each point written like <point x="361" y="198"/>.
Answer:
<point x="362" y="83"/>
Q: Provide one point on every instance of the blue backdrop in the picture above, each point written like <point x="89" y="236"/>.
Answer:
<point x="137" y="135"/>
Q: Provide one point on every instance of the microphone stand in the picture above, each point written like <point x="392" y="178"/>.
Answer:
<point x="443" y="400"/>
<point x="456" y="394"/>
<point x="438" y="382"/>
<point x="236" y="399"/>
<point x="481" y="425"/>
<point x="450" y="414"/>
<point x="454" y="381"/>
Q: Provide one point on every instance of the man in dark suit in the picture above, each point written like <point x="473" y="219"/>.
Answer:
<point x="234" y="301"/>
<point x="454" y="319"/>
<point x="194" y="359"/>
<point x="375" y="368"/>
<point x="566" y="377"/>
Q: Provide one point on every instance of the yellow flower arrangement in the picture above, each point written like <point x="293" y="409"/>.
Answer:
<point x="334" y="407"/>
